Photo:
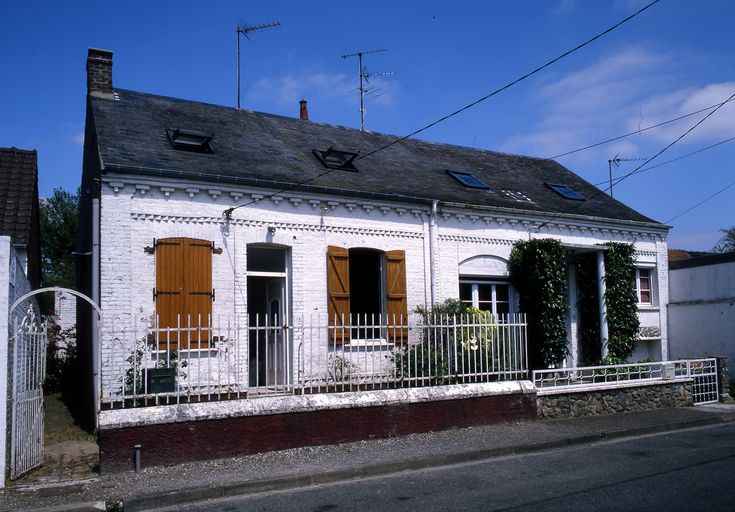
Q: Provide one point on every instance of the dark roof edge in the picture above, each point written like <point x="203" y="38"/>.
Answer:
<point x="255" y="182"/>
<point x="560" y="216"/>
<point x="701" y="261"/>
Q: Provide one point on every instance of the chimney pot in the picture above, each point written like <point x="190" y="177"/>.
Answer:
<point x="303" y="111"/>
<point x="99" y="71"/>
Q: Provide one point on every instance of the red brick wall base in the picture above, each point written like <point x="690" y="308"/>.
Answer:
<point x="216" y="438"/>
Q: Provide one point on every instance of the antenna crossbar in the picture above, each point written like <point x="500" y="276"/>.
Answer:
<point x="244" y="30"/>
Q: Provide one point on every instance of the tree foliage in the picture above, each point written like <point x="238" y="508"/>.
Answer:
<point x="621" y="300"/>
<point x="727" y="242"/>
<point x="59" y="216"/>
<point x="538" y="273"/>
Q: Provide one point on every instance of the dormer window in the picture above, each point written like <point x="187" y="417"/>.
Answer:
<point x="190" y="140"/>
<point x="336" y="159"/>
<point x="565" y="191"/>
<point x="468" y="180"/>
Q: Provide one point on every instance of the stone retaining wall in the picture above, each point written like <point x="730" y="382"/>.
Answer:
<point x="608" y="401"/>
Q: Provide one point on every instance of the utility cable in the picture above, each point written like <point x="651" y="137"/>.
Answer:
<point x="636" y="132"/>
<point x="701" y="202"/>
<point x="615" y="180"/>
<point x="622" y="178"/>
<point x="228" y="212"/>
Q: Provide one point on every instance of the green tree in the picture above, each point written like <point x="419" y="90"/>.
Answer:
<point x="727" y="242"/>
<point x="59" y="223"/>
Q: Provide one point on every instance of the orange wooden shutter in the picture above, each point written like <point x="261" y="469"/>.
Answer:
<point x="183" y="292"/>
<point x="169" y="287"/>
<point x="199" y="294"/>
<point x="395" y="278"/>
<point x="338" y="289"/>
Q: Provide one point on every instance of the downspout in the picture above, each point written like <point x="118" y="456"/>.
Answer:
<point x="95" y="289"/>
<point x="433" y="242"/>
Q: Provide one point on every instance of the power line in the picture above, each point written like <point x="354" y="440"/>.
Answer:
<point x="501" y="89"/>
<point x="228" y="212"/>
<point x="670" y="161"/>
<point x="622" y="178"/>
<point x="640" y="130"/>
<point x="701" y="202"/>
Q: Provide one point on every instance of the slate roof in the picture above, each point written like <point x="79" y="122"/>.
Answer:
<point x="18" y="193"/>
<point x="254" y="148"/>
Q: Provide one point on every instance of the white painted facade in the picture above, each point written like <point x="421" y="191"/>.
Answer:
<point x="136" y="210"/>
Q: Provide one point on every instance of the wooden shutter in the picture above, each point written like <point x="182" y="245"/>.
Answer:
<point x="184" y="292"/>
<point x="338" y="290"/>
<point x="395" y="279"/>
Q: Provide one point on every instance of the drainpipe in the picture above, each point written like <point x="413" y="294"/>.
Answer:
<point x="95" y="290"/>
<point x="433" y="242"/>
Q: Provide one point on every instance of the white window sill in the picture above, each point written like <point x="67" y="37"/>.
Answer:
<point x="198" y="352"/>
<point x="369" y="343"/>
<point x="648" y="307"/>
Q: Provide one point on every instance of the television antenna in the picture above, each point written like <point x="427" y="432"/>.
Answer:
<point x="365" y="75"/>
<point x="616" y="161"/>
<point x="244" y="30"/>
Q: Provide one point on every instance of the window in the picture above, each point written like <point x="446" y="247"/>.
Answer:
<point x="190" y="140"/>
<point x="336" y="159"/>
<point x="468" y="180"/>
<point x="366" y="287"/>
<point x="493" y="296"/>
<point x="565" y="191"/>
<point x="183" y="292"/>
<point x="643" y="286"/>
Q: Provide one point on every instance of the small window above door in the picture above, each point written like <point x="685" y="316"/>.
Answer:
<point x="266" y="259"/>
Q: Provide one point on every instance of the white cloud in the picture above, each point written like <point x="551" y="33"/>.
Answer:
<point x="617" y="94"/>
<point x="78" y="138"/>
<point x="291" y="88"/>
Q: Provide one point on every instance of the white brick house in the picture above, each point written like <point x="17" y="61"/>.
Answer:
<point x="265" y="208"/>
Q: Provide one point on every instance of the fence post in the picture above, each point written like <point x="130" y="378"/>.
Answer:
<point x="723" y="378"/>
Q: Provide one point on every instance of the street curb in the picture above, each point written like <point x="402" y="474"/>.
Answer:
<point x="178" y="498"/>
<point x="90" y="506"/>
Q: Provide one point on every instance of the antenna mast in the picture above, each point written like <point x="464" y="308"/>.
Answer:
<point x="244" y="29"/>
<point x="616" y="162"/>
<point x="364" y="75"/>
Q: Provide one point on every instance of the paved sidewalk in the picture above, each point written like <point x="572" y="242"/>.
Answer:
<point x="156" y="487"/>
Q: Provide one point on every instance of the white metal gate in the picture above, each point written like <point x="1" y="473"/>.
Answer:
<point x="28" y="345"/>
<point x="705" y="385"/>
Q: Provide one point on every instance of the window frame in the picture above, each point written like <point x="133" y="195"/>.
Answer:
<point x="637" y="283"/>
<point x="493" y="282"/>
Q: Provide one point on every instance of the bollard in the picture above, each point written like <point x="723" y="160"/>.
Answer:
<point x="137" y="448"/>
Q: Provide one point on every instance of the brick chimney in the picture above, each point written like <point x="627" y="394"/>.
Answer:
<point x="99" y="72"/>
<point x="303" y="111"/>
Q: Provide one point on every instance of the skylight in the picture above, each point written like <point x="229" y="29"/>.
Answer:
<point x="190" y="140"/>
<point x="336" y="159"/>
<point x="468" y="180"/>
<point x="565" y="191"/>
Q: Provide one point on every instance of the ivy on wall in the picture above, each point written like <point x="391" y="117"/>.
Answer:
<point x="621" y="301"/>
<point x="538" y="274"/>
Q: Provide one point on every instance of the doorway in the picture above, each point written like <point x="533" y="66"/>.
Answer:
<point x="269" y="341"/>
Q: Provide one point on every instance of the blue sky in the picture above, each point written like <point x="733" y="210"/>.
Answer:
<point x="674" y="59"/>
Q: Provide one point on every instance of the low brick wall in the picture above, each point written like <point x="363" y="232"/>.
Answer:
<point x="169" y="434"/>
<point x="587" y="402"/>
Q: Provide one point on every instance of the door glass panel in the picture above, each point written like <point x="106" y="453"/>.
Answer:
<point x="266" y="259"/>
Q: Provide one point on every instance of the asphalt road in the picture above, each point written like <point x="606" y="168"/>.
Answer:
<point x="687" y="470"/>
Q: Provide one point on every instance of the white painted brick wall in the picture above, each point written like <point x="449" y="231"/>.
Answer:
<point x="131" y="220"/>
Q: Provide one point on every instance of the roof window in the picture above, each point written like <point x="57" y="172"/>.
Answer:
<point x="190" y="140"/>
<point x="336" y="159"/>
<point x="565" y="191"/>
<point x="518" y="196"/>
<point x="468" y="180"/>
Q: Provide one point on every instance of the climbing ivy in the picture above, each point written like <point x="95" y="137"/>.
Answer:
<point x="538" y="273"/>
<point x="621" y="300"/>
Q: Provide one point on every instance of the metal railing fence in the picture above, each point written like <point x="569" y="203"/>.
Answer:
<point x="206" y="360"/>
<point x="703" y="373"/>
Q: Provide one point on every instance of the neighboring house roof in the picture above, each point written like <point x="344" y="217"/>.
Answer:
<point x="252" y="148"/>
<point x="701" y="259"/>
<point x="18" y="193"/>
